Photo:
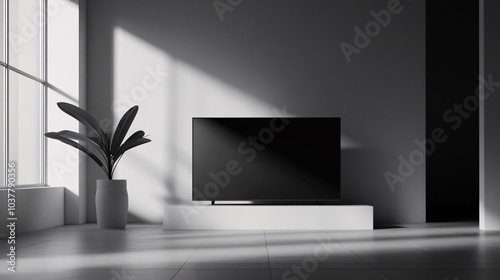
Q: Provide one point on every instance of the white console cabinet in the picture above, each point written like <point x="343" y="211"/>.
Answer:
<point x="268" y="217"/>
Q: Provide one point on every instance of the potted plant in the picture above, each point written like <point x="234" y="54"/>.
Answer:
<point x="106" y="149"/>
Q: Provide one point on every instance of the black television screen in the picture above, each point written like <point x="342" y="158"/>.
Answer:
<point x="266" y="159"/>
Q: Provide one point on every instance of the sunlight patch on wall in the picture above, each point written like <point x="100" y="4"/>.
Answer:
<point x="63" y="161"/>
<point x="140" y="77"/>
<point x="169" y="93"/>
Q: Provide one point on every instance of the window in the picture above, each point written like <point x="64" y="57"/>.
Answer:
<point x="25" y="128"/>
<point x="26" y="22"/>
<point x="3" y="96"/>
<point x="2" y="31"/>
<point x="31" y="32"/>
<point x="3" y="161"/>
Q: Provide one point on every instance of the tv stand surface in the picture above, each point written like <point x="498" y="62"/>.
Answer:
<point x="268" y="217"/>
<point x="294" y="203"/>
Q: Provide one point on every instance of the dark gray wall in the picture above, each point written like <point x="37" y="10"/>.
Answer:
<point x="489" y="131"/>
<point x="287" y="53"/>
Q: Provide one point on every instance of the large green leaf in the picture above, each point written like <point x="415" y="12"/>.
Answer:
<point x="122" y="128"/>
<point x="129" y="145"/>
<point x="77" y="136"/>
<point x="138" y="134"/>
<point x="85" y="118"/>
<point x="89" y="140"/>
<point x="66" y="140"/>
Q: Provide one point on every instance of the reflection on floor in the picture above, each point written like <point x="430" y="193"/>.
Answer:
<point x="144" y="252"/>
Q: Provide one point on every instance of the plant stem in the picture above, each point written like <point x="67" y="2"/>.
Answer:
<point x="110" y="168"/>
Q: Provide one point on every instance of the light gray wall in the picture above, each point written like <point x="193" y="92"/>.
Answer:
<point x="67" y="49"/>
<point x="36" y="209"/>
<point x="489" y="129"/>
<point x="263" y="55"/>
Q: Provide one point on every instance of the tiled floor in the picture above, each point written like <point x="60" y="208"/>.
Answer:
<point x="146" y="252"/>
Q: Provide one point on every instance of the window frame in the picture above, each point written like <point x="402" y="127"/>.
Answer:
<point x="43" y="81"/>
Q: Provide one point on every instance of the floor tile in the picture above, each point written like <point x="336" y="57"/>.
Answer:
<point x="340" y="260"/>
<point x="230" y="254"/>
<point x="223" y="275"/>
<point x="322" y="265"/>
<point x="453" y="274"/>
<point x="230" y="266"/>
<point x="114" y="274"/>
<point x="329" y="274"/>
<point x="19" y="275"/>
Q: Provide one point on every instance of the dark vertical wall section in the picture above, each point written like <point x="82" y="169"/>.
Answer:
<point x="99" y="86"/>
<point x="452" y="72"/>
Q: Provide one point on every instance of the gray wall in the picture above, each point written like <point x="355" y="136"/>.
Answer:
<point x="489" y="131"/>
<point x="270" y="54"/>
<point x="36" y="209"/>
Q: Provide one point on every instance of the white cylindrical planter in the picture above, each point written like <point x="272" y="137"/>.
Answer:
<point x="111" y="200"/>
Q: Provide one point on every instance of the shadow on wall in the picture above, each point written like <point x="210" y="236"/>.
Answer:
<point x="180" y="60"/>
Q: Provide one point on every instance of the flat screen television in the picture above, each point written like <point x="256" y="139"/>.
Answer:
<point x="264" y="159"/>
